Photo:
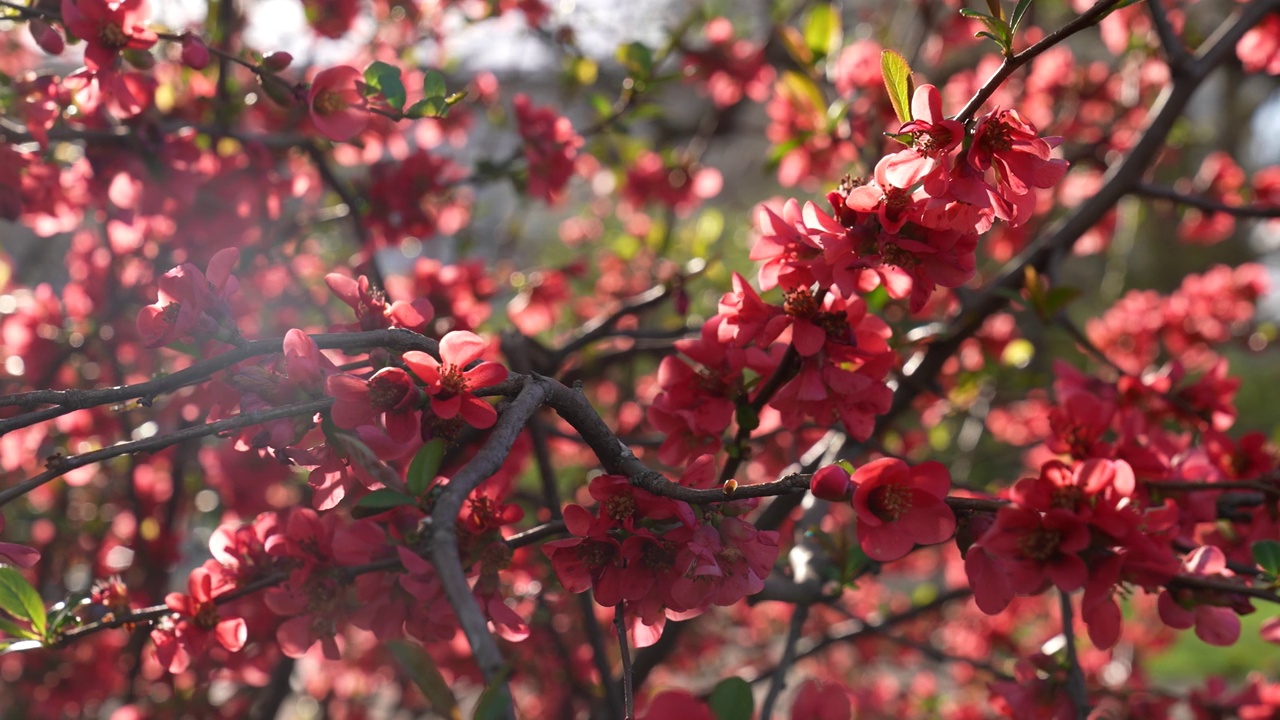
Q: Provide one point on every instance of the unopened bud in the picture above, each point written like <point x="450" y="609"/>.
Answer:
<point x="276" y="61"/>
<point x="832" y="483"/>
<point x="195" y="54"/>
<point x="46" y="37"/>
<point x="278" y="90"/>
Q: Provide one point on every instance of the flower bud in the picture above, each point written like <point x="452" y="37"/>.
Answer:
<point x="832" y="483"/>
<point x="46" y="37"/>
<point x="276" y="61"/>
<point x="195" y="54"/>
<point x="278" y="90"/>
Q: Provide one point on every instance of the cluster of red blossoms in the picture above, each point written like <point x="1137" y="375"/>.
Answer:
<point x="913" y="227"/>
<point x="658" y="557"/>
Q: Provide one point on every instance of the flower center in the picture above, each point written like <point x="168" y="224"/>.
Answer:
<point x="595" y="555"/>
<point x="889" y="502"/>
<point x="328" y="102"/>
<point x="620" y="507"/>
<point x="207" y="616"/>
<point x="800" y="303"/>
<point x="1040" y="544"/>
<point x="452" y="382"/>
<point x="997" y="138"/>
<point x="113" y="36"/>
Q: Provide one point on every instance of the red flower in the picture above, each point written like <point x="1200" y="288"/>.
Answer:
<point x="1004" y="140"/>
<point x="107" y="28"/>
<point x="1035" y="548"/>
<point x="373" y="311"/>
<point x="933" y="137"/>
<point x="390" y="392"/>
<point x="337" y="103"/>
<point x="198" y="621"/>
<point x="192" y="303"/>
<point x="451" y="384"/>
<point x="1215" y="623"/>
<point x="550" y="147"/>
<point x="899" y="507"/>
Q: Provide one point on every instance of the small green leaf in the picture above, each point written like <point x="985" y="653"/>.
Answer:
<point x="495" y="699"/>
<point x="1018" y="13"/>
<point x="822" y="30"/>
<point x="424" y="467"/>
<point x="795" y="45"/>
<point x="433" y="85"/>
<point x="432" y="107"/>
<point x="422" y="670"/>
<point x="995" y="8"/>
<point x="731" y="700"/>
<point x="897" y="80"/>
<point x="20" y="600"/>
<point x="384" y="499"/>
<point x="1058" y="298"/>
<point x="637" y="58"/>
<point x="385" y="80"/>
<point x="1267" y="554"/>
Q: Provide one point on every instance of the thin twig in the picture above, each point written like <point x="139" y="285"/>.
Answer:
<point x="628" y="694"/>
<point x="1087" y="19"/>
<point x="779" y="679"/>
<point x="1207" y="204"/>
<point x="1076" y="688"/>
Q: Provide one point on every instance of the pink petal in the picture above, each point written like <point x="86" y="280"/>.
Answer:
<point x="461" y="348"/>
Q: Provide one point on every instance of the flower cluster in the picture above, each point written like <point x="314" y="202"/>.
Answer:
<point x="658" y="556"/>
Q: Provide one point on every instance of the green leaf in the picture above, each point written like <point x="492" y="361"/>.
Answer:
<point x="822" y="30"/>
<point x="1267" y="554"/>
<point x="383" y="499"/>
<point x="1018" y="13"/>
<point x="731" y="700"/>
<point x="495" y="699"/>
<point x="14" y="630"/>
<point x="637" y="58"/>
<point x="432" y="107"/>
<point x="385" y="80"/>
<point x="20" y="600"/>
<point x="897" y="80"/>
<point x="424" y="467"/>
<point x="433" y="85"/>
<point x="422" y="670"/>
<point x="795" y="45"/>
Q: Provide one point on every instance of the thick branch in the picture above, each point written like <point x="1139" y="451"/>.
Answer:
<point x="444" y="518"/>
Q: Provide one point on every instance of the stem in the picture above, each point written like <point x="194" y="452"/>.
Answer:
<point x="779" y="679"/>
<point x="628" y="698"/>
<point x="1075" y="675"/>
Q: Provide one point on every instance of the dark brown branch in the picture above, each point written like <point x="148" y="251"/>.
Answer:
<point x="59" y="466"/>
<point x="1175" y="51"/>
<point x="444" y="518"/>
<point x="1207" y="204"/>
<point x="74" y="399"/>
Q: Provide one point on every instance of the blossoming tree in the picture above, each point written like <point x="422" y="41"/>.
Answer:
<point x="343" y="377"/>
